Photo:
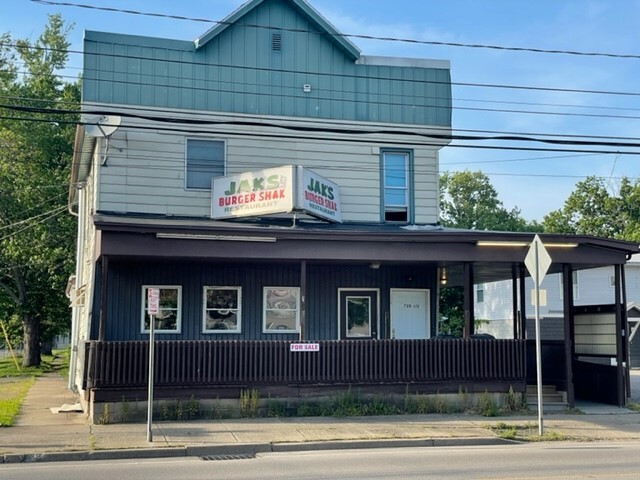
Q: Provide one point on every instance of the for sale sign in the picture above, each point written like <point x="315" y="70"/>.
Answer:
<point x="304" y="347"/>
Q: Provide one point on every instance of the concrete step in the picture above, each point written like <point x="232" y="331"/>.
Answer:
<point x="552" y="400"/>
<point x="546" y="389"/>
<point x="547" y="398"/>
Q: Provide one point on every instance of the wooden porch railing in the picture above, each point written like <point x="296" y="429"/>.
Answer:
<point x="202" y="363"/>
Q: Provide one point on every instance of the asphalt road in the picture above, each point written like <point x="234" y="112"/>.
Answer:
<point x="558" y="461"/>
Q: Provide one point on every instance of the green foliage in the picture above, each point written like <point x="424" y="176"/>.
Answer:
<point x="105" y="416"/>
<point x="464" y="399"/>
<point x="346" y="405"/>
<point x="469" y="201"/>
<point x="37" y="241"/>
<point x="634" y="406"/>
<point x="193" y="408"/>
<point x="487" y="407"/>
<point x="508" y="432"/>
<point x="58" y="362"/>
<point x="514" y="402"/>
<point x="276" y="408"/>
<point x="451" y="320"/>
<point x="593" y="208"/>
<point x="249" y="403"/>
<point x="11" y="397"/>
<point x="527" y="432"/>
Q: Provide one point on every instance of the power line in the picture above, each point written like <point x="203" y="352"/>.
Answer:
<point x="35" y="217"/>
<point x="333" y="130"/>
<point x="206" y="113"/>
<point x="345" y="35"/>
<point x="453" y="98"/>
<point x="422" y="142"/>
<point x="336" y="75"/>
<point x="51" y="214"/>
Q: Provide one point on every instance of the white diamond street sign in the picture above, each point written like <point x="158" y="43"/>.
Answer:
<point x="538" y="262"/>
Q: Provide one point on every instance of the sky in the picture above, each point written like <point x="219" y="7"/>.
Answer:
<point x="536" y="182"/>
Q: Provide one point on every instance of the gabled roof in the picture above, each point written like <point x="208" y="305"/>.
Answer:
<point x="311" y="14"/>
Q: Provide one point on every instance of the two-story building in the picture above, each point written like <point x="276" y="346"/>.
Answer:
<point x="280" y="190"/>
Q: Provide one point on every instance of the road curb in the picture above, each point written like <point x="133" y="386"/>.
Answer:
<point x="388" y="443"/>
<point x="245" y="449"/>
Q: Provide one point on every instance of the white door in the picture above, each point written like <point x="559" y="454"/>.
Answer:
<point x="410" y="313"/>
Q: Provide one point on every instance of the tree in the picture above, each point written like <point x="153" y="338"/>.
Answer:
<point x="36" y="146"/>
<point x="594" y="209"/>
<point x="469" y="201"/>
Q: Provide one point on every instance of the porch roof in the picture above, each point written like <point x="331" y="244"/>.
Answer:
<point x="274" y="240"/>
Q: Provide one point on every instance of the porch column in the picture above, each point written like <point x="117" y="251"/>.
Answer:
<point x="567" y="295"/>
<point x="627" y="332"/>
<point x="514" y="300"/>
<point x="620" y="375"/>
<point x="303" y="296"/>
<point x="523" y="305"/>
<point x="468" y="300"/>
<point x="103" y="299"/>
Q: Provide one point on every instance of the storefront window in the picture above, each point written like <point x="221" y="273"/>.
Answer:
<point x="281" y="309"/>
<point x="222" y="309"/>
<point x="168" y="318"/>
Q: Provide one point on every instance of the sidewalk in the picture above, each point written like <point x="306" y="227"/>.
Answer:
<point x="40" y="435"/>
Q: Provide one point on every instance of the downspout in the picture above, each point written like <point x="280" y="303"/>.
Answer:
<point x="73" y="357"/>
<point x="74" y="193"/>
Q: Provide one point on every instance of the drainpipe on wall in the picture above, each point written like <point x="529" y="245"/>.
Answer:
<point x="73" y="357"/>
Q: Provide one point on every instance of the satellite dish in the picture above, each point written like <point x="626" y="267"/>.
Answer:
<point x="101" y="125"/>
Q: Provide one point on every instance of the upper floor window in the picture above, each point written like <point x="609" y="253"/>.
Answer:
<point x="205" y="160"/>
<point x="396" y="185"/>
<point x="168" y="318"/>
<point x="480" y="292"/>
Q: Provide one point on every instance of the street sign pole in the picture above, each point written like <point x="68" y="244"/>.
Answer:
<point x="153" y="305"/>
<point x="538" y="343"/>
<point x="538" y="262"/>
<point x="151" y="370"/>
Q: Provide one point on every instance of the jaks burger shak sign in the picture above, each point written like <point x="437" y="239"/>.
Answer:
<point x="275" y="190"/>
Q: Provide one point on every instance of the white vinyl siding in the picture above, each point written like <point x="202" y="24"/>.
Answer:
<point x="576" y="286"/>
<point x="145" y="171"/>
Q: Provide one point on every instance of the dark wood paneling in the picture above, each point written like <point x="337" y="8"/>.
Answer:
<point x="553" y="363"/>
<point x="126" y="280"/>
<point x="597" y="383"/>
<point x="255" y="363"/>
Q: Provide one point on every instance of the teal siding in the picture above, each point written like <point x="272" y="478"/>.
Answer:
<point x="237" y="71"/>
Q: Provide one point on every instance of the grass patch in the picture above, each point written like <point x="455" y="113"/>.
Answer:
<point x="11" y="396"/>
<point x="58" y="362"/>
<point x="527" y="432"/>
<point x="16" y="382"/>
<point x="634" y="406"/>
